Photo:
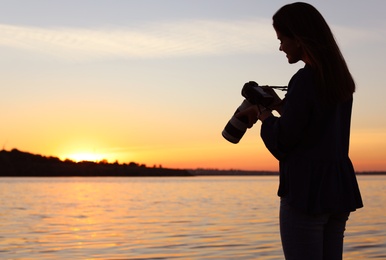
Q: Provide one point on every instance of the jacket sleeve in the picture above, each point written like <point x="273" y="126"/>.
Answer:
<point x="282" y="134"/>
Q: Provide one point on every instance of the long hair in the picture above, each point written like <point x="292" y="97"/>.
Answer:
<point x="301" y="21"/>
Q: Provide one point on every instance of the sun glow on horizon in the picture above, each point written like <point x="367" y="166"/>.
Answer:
<point x="85" y="156"/>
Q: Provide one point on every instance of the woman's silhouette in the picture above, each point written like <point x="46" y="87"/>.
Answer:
<point x="310" y="138"/>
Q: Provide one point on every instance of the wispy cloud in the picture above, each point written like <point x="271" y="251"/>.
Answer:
<point x="149" y="41"/>
<point x="183" y="38"/>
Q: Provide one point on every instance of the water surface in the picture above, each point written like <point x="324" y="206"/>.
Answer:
<point x="164" y="218"/>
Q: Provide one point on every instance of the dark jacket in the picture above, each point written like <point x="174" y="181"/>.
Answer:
<point x="311" y="142"/>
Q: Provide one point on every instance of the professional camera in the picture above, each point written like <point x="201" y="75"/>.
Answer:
<point x="254" y="95"/>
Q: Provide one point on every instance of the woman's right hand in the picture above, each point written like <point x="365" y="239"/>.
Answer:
<point x="277" y="101"/>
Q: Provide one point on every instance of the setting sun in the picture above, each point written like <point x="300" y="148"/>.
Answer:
<point x="90" y="157"/>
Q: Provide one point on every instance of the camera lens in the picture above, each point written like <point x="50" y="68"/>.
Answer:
<point x="236" y="126"/>
<point x="235" y="129"/>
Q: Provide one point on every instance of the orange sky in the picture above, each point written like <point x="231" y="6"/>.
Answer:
<point x="157" y="86"/>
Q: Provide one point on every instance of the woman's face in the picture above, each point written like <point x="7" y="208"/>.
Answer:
<point x="290" y="47"/>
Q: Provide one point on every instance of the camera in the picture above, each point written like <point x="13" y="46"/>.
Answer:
<point x="254" y="95"/>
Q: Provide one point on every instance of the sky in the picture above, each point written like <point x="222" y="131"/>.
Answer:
<point x="155" y="82"/>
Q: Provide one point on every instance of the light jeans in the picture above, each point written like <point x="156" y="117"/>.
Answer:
<point x="311" y="237"/>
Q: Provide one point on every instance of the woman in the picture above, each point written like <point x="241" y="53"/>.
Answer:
<point x="318" y="187"/>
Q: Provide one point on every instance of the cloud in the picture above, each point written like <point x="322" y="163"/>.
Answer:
<point x="187" y="38"/>
<point x="182" y="38"/>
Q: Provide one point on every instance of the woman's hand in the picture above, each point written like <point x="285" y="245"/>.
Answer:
<point x="251" y="113"/>
<point x="265" y="114"/>
<point x="277" y="101"/>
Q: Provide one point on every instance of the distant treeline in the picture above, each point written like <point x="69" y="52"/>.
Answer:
<point x="15" y="163"/>
<point x="216" y="172"/>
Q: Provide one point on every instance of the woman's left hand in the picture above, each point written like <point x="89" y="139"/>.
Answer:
<point x="251" y="113"/>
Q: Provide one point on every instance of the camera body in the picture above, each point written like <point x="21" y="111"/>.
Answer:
<point x="256" y="95"/>
<point x="237" y="126"/>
